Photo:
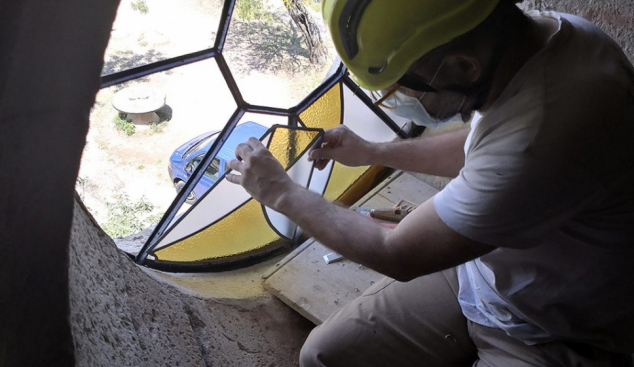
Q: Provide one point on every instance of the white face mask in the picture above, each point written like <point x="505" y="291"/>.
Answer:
<point x="412" y="108"/>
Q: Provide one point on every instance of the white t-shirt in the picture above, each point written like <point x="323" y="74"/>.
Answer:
<point x="549" y="180"/>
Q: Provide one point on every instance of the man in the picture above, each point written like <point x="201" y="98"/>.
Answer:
<point x="525" y="258"/>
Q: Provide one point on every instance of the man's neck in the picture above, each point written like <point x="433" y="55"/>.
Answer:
<point x="522" y="45"/>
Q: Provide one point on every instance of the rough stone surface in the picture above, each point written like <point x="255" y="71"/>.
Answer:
<point x="615" y="17"/>
<point x="122" y="316"/>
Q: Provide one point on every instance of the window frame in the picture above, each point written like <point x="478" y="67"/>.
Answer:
<point x="339" y="75"/>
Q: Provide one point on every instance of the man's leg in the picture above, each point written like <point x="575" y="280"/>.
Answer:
<point x="418" y="323"/>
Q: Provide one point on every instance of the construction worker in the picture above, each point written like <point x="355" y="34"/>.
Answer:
<point x="525" y="258"/>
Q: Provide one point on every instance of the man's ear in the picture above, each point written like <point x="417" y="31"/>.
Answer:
<point x="464" y="65"/>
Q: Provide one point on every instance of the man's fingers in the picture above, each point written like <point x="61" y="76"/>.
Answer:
<point x="242" y="150"/>
<point x="332" y="139"/>
<point x="235" y="165"/>
<point x="310" y="152"/>
<point x="321" y="164"/>
<point x="334" y="136"/>
<point x="331" y="133"/>
<point x="312" y="155"/>
<point x="320" y="156"/>
<point x="254" y="143"/>
<point x="233" y="178"/>
<point x="320" y="153"/>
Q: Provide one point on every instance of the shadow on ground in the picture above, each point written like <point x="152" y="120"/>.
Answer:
<point x="165" y="113"/>
<point x="265" y="46"/>
<point x="127" y="59"/>
<point x="270" y="45"/>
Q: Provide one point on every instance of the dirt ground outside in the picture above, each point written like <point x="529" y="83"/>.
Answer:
<point x="267" y="58"/>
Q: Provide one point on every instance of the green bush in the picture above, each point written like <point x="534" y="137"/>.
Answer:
<point x="124" y="125"/>
<point x="140" y="6"/>
<point x="164" y="118"/>
<point x="250" y="10"/>
<point x="126" y="217"/>
<point x="157" y="128"/>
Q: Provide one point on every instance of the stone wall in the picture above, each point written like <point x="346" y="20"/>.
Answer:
<point x="121" y="316"/>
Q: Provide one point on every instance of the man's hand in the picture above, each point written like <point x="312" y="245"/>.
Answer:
<point x="342" y="145"/>
<point x="260" y="173"/>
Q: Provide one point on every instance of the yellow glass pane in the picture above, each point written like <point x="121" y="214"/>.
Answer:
<point x="288" y="144"/>
<point x="349" y="184"/>
<point x="245" y="230"/>
<point x="325" y="113"/>
<point x="363" y="185"/>
<point x="341" y="179"/>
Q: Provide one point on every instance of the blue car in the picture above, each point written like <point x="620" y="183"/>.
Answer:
<point x="187" y="157"/>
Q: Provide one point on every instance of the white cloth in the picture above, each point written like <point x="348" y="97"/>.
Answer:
<point x="549" y="180"/>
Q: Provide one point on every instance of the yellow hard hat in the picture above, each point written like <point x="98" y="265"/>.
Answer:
<point x="379" y="40"/>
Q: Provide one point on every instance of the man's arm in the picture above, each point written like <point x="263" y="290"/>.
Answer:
<point x="419" y="245"/>
<point x="440" y="155"/>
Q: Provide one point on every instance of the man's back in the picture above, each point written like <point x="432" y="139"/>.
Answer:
<point x="548" y="180"/>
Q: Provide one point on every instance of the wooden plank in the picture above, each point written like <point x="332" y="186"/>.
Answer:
<point x="409" y="188"/>
<point x="289" y="257"/>
<point x="316" y="289"/>
<point x="436" y="182"/>
<point x="379" y="202"/>
<point x="388" y="180"/>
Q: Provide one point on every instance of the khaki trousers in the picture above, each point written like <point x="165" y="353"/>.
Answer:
<point x="419" y="323"/>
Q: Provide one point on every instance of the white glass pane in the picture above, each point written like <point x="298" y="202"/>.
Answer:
<point x="264" y="119"/>
<point x="268" y="56"/>
<point x="320" y="179"/>
<point x="300" y="173"/>
<point x="363" y="121"/>
<point x="147" y="31"/>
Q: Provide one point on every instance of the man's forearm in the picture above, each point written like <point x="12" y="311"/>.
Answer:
<point x="420" y="244"/>
<point x="440" y="155"/>
<point x="353" y="236"/>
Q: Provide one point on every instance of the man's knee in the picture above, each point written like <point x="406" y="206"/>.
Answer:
<point x="314" y="349"/>
<point x="332" y="344"/>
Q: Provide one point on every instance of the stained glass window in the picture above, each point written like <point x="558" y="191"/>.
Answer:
<point x="147" y="31"/>
<point x="226" y="225"/>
